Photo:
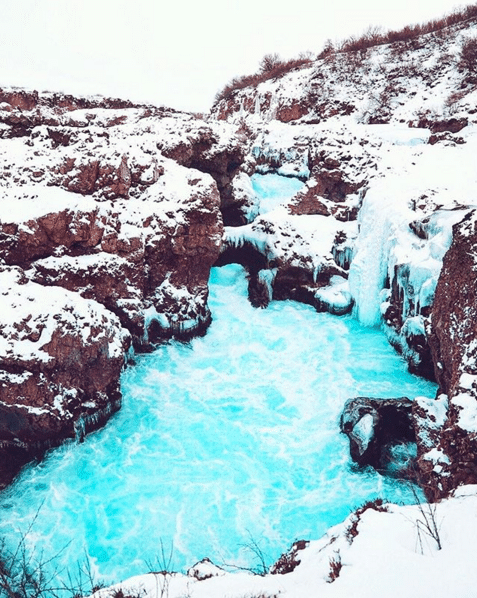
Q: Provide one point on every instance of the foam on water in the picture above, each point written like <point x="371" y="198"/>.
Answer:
<point x="231" y="436"/>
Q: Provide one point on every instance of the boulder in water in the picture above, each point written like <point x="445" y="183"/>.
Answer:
<point x="373" y="424"/>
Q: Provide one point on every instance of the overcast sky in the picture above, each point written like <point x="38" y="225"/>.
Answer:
<point x="173" y="52"/>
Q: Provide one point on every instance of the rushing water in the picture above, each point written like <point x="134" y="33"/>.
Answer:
<point x="231" y="437"/>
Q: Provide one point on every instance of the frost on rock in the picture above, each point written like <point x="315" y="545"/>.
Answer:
<point x="335" y="297"/>
<point x="205" y="569"/>
<point x="364" y="431"/>
<point x="467" y="410"/>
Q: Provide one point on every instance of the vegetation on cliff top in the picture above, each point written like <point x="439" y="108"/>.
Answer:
<point x="272" y="66"/>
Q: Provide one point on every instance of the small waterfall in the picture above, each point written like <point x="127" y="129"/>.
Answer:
<point x="388" y="253"/>
<point x="368" y="273"/>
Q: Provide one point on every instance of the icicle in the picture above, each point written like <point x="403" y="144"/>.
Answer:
<point x="343" y="256"/>
<point x="368" y="271"/>
<point x="257" y="109"/>
<point x="87" y="422"/>
<point x="80" y="429"/>
<point x="266" y="277"/>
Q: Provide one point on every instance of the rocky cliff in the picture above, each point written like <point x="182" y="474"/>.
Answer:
<point x="105" y="247"/>
<point x="112" y="214"/>
<point x="451" y="458"/>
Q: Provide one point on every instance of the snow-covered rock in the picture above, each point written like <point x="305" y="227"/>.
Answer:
<point x="93" y="214"/>
<point x="61" y="356"/>
<point x="373" y="426"/>
<point x="379" y="550"/>
<point x="453" y="339"/>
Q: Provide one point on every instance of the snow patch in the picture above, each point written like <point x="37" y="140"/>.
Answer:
<point x="467" y="419"/>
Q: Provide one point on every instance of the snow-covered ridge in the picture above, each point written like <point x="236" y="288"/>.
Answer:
<point x="400" y="82"/>
<point x="109" y="238"/>
<point x="381" y="550"/>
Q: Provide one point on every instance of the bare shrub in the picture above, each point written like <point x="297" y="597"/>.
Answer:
<point x="468" y="55"/>
<point x="328" y="49"/>
<point x="252" y="546"/>
<point x="270" y="62"/>
<point x="161" y="568"/>
<point x="271" y="67"/>
<point x="27" y="575"/>
<point x="452" y="101"/>
<point x="374" y="36"/>
<point x="335" y="567"/>
<point x="427" y="524"/>
<point x="163" y="561"/>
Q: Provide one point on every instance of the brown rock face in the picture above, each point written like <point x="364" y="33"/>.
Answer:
<point x="293" y="111"/>
<point x="325" y="194"/>
<point x="452" y="125"/>
<point x="113" y="281"/>
<point x="309" y="201"/>
<point x="39" y="238"/>
<point x="454" y="311"/>
<point x="453" y="342"/>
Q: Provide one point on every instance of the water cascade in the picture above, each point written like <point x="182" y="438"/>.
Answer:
<point x="398" y="246"/>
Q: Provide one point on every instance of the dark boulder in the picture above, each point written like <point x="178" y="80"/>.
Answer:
<point x="375" y="425"/>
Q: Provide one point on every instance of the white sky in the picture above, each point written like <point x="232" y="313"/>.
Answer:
<point x="177" y="53"/>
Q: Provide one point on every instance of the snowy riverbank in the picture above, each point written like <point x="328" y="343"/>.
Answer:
<point x="380" y="554"/>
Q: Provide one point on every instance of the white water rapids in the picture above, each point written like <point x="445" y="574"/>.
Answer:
<point x="229" y="437"/>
